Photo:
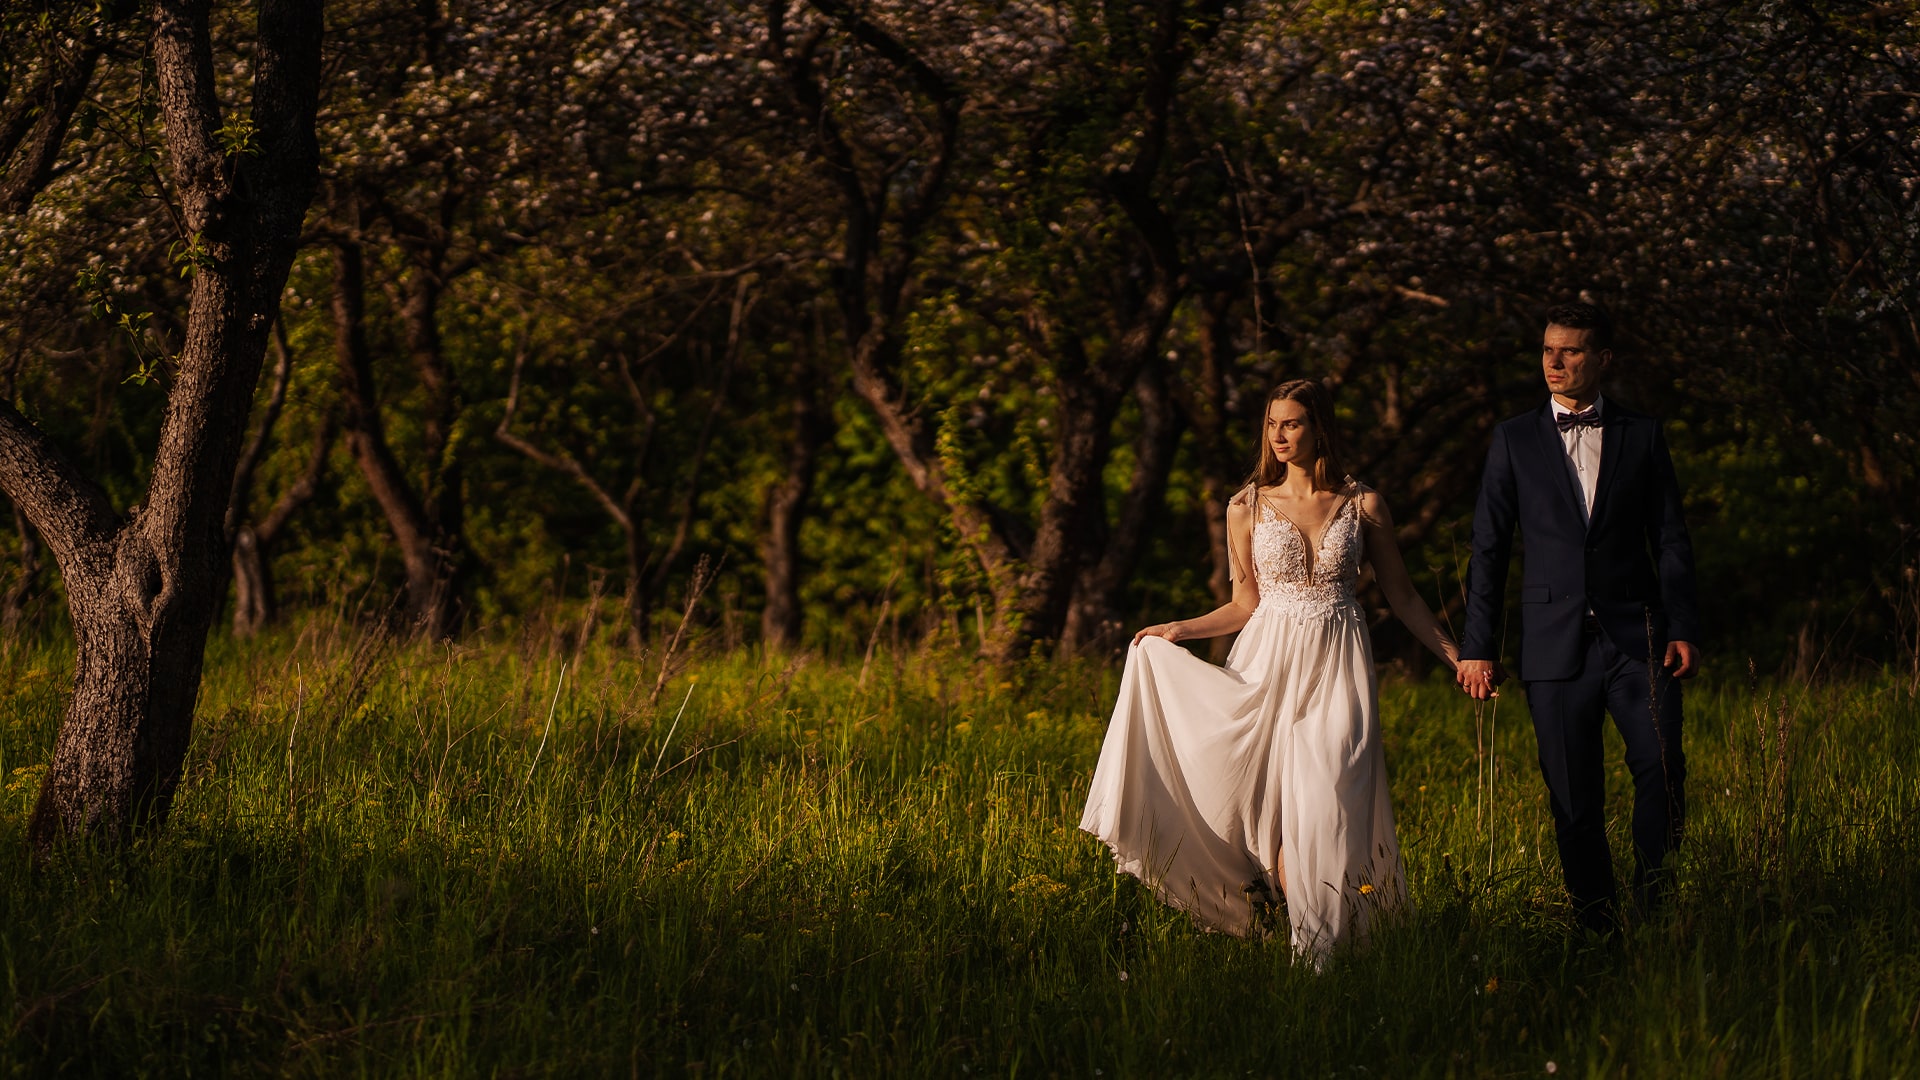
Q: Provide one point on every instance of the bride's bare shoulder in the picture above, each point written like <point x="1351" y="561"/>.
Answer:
<point x="1372" y="505"/>
<point x="1240" y="513"/>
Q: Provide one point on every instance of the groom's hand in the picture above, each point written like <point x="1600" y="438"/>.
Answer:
<point x="1478" y="678"/>
<point x="1683" y="659"/>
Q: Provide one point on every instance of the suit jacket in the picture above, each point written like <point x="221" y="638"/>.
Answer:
<point x="1631" y="563"/>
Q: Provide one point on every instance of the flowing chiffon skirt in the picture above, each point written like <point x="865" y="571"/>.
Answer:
<point x="1208" y="774"/>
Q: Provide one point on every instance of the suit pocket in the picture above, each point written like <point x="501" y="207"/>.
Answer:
<point x="1535" y="594"/>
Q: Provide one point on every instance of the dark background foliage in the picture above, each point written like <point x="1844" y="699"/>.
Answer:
<point x="951" y="319"/>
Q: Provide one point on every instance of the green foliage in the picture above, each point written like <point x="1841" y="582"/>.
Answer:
<point x="1376" y="195"/>
<point x="190" y="256"/>
<point x="237" y="136"/>
<point x="410" y="861"/>
<point x="132" y="325"/>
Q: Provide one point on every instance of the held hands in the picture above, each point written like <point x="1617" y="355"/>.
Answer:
<point x="1172" y="631"/>
<point x="1480" y="678"/>
<point x="1683" y="659"/>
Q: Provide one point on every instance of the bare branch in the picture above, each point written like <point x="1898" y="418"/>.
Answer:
<point x="560" y="461"/>
<point x="68" y="510"/>
<point x="256" y="450"/>
<point x="303" y="489"/>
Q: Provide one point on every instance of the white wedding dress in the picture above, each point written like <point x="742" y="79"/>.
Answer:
<point x="1209" y="773"/>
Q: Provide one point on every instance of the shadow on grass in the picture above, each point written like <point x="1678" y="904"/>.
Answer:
<point x="886" y="880"/>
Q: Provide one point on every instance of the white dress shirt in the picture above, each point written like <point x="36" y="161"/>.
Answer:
<point x="1583" y="454"/>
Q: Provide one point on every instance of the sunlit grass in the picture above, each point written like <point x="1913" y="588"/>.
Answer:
<point x="465" y="861"/>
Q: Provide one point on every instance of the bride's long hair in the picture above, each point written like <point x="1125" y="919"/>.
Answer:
<point x="1328" y="470"/>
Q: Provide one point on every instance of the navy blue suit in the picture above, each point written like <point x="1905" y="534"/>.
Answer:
<point x="1600" y="597"/>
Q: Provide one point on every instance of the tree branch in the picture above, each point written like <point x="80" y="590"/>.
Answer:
<point x="68" y="510"/>
<point x="190" y="110"/>
<point x="303" y="489"/>
<point x="256" y="450"/>
<point x="37" y="138"/>
<point x="560" y="461"/>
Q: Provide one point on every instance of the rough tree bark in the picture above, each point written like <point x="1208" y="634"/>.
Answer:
<point x="143" y="589"/>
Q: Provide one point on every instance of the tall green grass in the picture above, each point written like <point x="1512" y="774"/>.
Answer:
<point x="466" y="861"/>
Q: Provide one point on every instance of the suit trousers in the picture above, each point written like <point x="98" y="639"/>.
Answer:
<point x="1567" y="716"/>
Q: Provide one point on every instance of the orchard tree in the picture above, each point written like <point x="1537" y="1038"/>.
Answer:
<point x="143" y="585"/>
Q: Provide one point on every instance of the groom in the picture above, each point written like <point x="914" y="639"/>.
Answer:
<point x="1607" y="617"/>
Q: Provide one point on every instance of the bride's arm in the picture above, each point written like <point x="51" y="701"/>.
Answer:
<point x="1233" y="615"/>
<point x="1390" y="570"/>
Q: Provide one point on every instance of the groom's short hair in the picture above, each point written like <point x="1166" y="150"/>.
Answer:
<point x="1592" y="318"/>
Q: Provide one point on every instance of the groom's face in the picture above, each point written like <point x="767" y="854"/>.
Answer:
<point x="1573" y="370"/>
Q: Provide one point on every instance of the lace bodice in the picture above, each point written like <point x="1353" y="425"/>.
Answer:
<point x="1300" y="586"/>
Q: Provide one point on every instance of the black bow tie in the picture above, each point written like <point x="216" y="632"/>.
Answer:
<point x="1567" y="421"/>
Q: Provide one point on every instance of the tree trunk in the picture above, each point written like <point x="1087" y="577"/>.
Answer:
<point x="1072" y="530"/>
<point x="142" y="591"/>
<point x="639" y="607"/>
<point x="140" y="632"/>
<point x="432" y="606"/>
<point x="1204" y="401"/>
<point x="880" y="247"/>
<point x="786" y="505"/>
<point x="255" y="601"/>
<point x="441" y="483"/>
<point x="1094" y="622"/>
<point x="1072" y="519"/>
<point x="252" y="589"/>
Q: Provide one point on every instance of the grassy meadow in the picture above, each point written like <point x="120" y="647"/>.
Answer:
<point x="515" y="859"/>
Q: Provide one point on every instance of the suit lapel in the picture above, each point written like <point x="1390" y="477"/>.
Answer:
<point x="1613" y="432"/>
<point x="1553" y="456"/>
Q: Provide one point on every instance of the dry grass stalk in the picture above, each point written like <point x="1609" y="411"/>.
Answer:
<point x="703" y="573"/>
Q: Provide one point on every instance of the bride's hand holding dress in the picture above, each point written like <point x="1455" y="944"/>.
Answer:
<point x="1231" y="616"/>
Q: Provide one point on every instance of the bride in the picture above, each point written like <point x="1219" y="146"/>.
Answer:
<point x="1218" y="784"/>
